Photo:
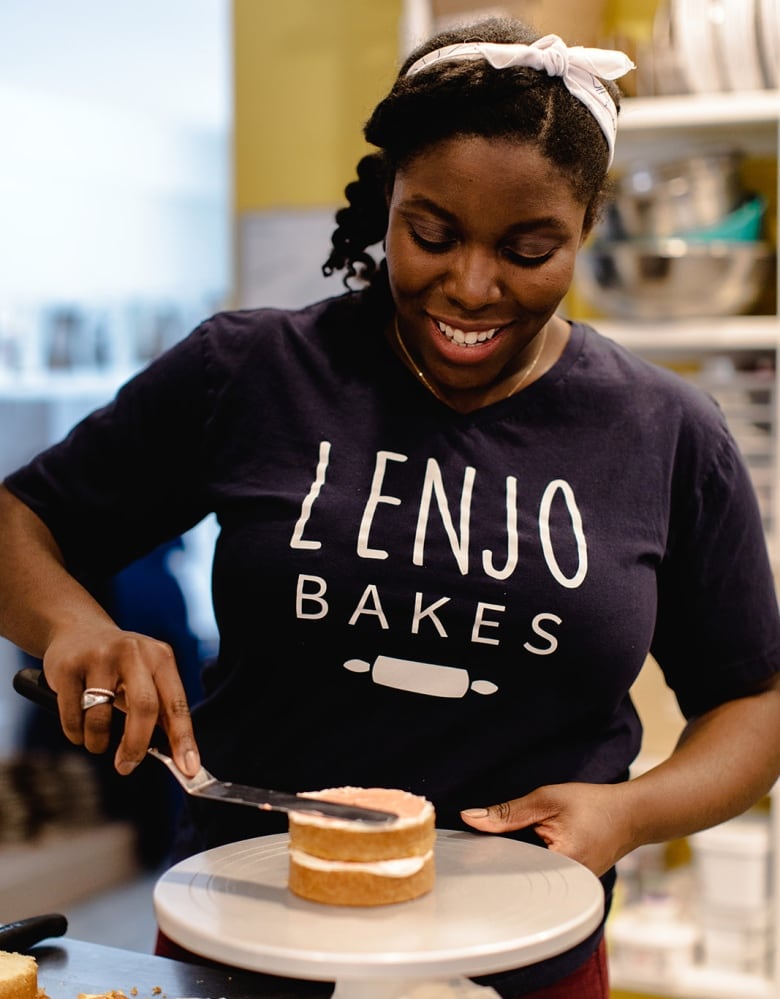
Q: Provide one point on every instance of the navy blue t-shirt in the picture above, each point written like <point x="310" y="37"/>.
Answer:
<point x="452" y="604"/>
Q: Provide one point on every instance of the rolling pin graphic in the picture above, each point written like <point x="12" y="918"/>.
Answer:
<point x="421" y="678"/>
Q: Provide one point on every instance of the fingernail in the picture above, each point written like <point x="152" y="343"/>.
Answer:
<point x="126" y="767"/>
<point x="475" y="813"/>
<point x="191" y="761"/>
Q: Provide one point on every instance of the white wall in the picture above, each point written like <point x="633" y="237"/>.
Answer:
<point x="115" y="121"/>
<point x="114" y="173"/>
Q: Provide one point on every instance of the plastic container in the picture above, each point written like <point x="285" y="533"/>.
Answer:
<point x="736" y="939"/>
<point x="646" y="944"/>
<point x="732" y="864"/>
<point x="744" y="223"/>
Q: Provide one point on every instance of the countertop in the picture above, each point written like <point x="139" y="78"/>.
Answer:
<point x="70" y="967"/>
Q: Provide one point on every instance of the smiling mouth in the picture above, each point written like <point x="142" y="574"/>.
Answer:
<point x="464" y="339"/>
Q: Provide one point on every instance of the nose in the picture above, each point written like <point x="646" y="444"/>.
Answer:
<point x="473" y="278"/>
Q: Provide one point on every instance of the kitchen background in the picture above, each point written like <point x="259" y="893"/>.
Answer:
<point x="166" y="158"/>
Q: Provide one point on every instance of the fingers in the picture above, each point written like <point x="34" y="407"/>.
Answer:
<point x="85" y="726"/>
<point x="568" y="818"/>
<point x="142" y="706"/>
<point x="180" y="735"/>
<point x="157" y="697"/>
<point x="144" y="676"/>
<point x="502" y="817"/>
<point x="96" y="722"/>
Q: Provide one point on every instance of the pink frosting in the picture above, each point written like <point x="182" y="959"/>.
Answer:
<point x="385" y="799"/>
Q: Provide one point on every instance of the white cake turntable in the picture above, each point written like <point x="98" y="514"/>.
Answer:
<point x="497" y="904"/>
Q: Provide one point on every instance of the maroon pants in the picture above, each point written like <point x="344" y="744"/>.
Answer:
<point x="590" y="981"/>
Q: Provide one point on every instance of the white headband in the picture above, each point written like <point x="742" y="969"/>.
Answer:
<point x="578" y="67"/>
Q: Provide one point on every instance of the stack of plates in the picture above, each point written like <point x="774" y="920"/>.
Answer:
<point x="720" y="45"/>
<point x="768" y="30"/>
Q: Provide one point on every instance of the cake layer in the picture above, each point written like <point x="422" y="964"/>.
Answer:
<point x="412" y="834"/>
<point x="342" y="862"/>
<point x="363" y="843"/>
<point x="18" y="976"/>
<point x="359" y="886"/>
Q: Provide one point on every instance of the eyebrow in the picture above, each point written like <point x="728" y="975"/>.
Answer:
<point x="518" y="228"/>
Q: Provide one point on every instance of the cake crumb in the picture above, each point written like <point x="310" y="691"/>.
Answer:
<point x="113" y="994"/>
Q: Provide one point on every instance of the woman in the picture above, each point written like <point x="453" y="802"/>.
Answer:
<point x="437" y="468"/>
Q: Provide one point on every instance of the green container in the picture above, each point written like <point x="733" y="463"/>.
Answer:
<point x="744" y="224"/>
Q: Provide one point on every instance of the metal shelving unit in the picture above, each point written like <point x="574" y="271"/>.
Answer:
<point x="673" y="126"/>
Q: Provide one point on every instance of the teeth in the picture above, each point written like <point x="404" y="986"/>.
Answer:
<point x="466" y="339"/>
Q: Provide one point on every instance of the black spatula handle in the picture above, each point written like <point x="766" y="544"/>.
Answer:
<point x="31" y="683"/>
<point x="26" y="933"/>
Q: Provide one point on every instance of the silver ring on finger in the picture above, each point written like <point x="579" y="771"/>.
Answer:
<point x="96" y="695"/>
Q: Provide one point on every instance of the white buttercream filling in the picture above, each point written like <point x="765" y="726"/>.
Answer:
<point x="401" y="867"/>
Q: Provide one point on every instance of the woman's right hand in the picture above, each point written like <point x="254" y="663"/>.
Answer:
<point x="143" y="673"/>
<point x="48" y="613"/>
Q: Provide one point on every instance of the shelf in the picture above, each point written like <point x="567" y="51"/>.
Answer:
<point x="754" y="107"/>
<point x="65" y="866"/>
<point x="659" y="127"/>
<point x="655" y="129"/>
<point x="45" y="385"/>
<point x="700" y="983"/>
<point x="705" y="334"/>
<point x="666" y="974"/>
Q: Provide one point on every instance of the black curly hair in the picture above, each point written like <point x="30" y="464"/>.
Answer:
<point x="468" y="98"/>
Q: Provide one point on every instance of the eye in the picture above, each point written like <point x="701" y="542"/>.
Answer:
<point x="529" y="256"/>
<point x="528" y="259"/>
<point x="432" y="240"/>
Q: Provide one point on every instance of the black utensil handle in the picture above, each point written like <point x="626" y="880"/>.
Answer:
<point x="26" y="933"/>
<point x="31" y="683"/>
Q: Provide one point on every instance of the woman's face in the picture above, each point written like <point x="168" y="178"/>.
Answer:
<point x="481" y="245"/>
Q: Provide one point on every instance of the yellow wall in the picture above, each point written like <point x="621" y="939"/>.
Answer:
<point x="307" y="73"/>
<point x="618" y="12"/>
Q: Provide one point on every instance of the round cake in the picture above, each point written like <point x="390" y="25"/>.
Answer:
<point x="18" y="976"/>
<point x="350" y="862"/>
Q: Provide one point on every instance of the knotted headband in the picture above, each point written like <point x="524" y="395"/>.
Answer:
<point x="578" y="67"/>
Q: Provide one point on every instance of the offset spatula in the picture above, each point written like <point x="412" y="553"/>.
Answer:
<point x="31" y="683"/>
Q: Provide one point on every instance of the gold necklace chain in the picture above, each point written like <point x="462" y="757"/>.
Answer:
<point x="423" y="378"/>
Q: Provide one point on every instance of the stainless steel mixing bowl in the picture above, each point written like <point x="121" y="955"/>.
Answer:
<point x="675" y="197"/>
<point x="673" y="279"/>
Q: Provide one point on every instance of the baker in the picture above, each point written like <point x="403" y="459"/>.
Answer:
<point x="457" y="243"/>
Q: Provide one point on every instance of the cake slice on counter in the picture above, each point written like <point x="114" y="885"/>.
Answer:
<point x="342" y="862"/>
<point x="18" y="976"/>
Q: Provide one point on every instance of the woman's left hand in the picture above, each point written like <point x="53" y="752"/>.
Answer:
<point x="725" y="761"/>
<point x="587" y="822"/>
